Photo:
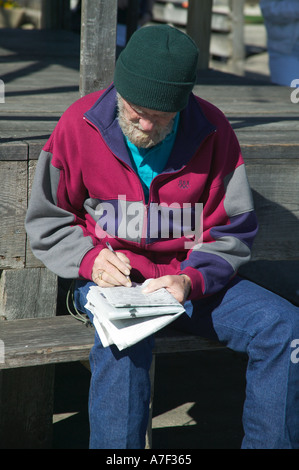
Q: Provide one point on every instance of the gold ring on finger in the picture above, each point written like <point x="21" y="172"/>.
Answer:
<point x="100" y="275"/>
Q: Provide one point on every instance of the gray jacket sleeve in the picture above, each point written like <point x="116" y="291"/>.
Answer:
<point x="55" y="237"/>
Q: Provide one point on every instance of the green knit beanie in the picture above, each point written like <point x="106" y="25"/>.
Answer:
<point x="157" y="68"/>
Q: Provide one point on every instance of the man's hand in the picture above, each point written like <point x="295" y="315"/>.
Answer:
<point x="178" y="286"/>
<point x="111" y="269"/>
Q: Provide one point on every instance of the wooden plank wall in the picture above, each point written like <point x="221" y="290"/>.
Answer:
<point x="267" y="125"/>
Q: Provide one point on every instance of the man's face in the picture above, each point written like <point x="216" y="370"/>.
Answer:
<point x="143" y="127"/>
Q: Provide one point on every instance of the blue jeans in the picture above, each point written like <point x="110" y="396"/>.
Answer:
<point x="247" y="318"/>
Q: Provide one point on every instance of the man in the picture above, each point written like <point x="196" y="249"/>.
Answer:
<point x="119" y="164"/>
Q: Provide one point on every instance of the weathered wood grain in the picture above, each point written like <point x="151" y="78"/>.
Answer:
<point x="12" y="151"/>
<point x="45" y="341"/>
<point x="13" y="205"/>
<point x="98" y="27"/>
<point x="27" y="293"/>
<point x="64" y="339"/>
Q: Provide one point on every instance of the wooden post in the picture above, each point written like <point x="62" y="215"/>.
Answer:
<point x="98" y="44"/>
<point x="238" y="49"/>
<point x="199" y="28"/>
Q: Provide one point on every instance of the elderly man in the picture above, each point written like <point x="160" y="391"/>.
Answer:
<point x="147" y="142"/>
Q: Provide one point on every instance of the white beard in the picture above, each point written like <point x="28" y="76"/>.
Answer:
<point x="135" y="133"/>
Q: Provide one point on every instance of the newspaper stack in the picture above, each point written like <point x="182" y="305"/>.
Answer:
<point x="125" y="315"/>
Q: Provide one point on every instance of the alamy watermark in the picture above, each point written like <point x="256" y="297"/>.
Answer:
<point x="2" y="352"/>
<point x="295" y="353"/>
<point x="295" y="93"/>
<point x="134" y="221"/>
<point x="2" y="91"/>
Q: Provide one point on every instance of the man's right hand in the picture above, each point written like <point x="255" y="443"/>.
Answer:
<point x="111" y="269"/>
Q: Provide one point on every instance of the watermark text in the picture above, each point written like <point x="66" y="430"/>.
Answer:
<point x="295" y="93"/>
<point x="295" y="353"/>
<point x="133" y="221"/>
<point x="2" y="91"/>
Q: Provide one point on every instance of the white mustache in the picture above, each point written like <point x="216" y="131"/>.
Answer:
<point x="137" y="126"/>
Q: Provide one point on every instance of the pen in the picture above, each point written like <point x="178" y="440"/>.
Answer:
<point x="111" y="249"/>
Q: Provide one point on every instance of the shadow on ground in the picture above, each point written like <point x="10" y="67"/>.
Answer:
<point x="213" y="382"/>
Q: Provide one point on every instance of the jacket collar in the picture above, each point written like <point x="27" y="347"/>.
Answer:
<point x="193" y="129"/>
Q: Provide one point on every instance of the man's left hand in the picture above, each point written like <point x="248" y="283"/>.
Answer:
<point x="178" y="286"/>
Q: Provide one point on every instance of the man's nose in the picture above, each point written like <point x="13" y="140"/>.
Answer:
<point x="146" y="124"/>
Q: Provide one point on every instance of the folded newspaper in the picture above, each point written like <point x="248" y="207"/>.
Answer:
<point x="125" y="315"/>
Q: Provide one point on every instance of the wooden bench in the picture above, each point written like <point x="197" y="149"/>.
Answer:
<point x="40" y="341"/>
